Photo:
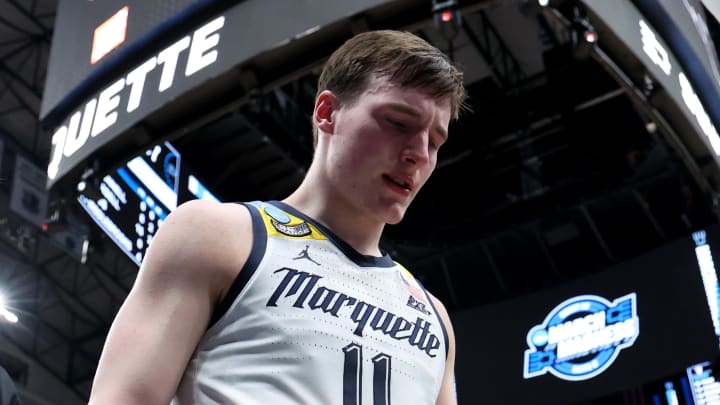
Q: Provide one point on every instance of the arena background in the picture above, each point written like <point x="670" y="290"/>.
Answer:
<point x="587" y="167"/>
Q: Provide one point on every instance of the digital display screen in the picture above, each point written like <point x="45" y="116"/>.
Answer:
<point x="704" y="384"/>
<point x="135" y="198"/>
<point x="74" y="55"/>
<point x="670" y="390"/>
<point x="697" y="385"/>
<point x="632" y="324"/>
<point x="140" y="69"/>
<point x="709" y="275"/>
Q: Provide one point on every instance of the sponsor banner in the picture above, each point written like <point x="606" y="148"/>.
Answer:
<point x="185" y="62"/>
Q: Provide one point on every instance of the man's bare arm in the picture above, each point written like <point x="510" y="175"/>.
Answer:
<point x="156" y="330"/>
<point x="447" y="390"/>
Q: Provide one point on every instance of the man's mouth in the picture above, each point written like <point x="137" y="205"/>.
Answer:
<point x="399" y="181"/>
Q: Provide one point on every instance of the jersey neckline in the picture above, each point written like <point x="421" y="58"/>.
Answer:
<point x="358" y="258"/>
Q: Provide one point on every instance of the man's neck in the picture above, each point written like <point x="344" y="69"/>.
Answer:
<point x="356" y="230"/>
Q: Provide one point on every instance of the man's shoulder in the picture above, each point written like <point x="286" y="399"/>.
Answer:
<point x="208" y="208"/>
<point x="201" y="216"/>
<point x="203" y="232"/>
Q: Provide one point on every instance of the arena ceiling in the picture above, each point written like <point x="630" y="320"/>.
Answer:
<point x="556" y="173"/>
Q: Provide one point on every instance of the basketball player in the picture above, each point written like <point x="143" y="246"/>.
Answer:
<point x="293" y="301"/>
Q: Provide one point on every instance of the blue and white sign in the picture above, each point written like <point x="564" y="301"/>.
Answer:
<point x="581" y="337"/>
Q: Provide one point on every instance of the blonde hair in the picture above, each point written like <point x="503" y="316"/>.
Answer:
<point x="402" y="57"/>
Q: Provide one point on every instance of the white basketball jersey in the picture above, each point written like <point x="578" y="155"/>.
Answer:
<point x="311" y="321"/>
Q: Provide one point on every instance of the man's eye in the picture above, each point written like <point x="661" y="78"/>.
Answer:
<point x="396" y="123"/>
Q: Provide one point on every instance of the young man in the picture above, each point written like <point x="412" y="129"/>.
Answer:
<point x="294" y="302"/>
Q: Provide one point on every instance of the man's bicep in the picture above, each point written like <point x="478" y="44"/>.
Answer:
<point x="158" y="326"/>
<point x="147" y="349"/>
<point x="448" y="394"/>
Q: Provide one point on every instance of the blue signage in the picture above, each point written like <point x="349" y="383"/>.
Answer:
<point x="581" y="337"/>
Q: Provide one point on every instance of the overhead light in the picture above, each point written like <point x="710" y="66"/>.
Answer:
<point x="5" y="313"/>
<point x="447" y="18"/>
<point x="551" y="3"/>
<point x="651" y="127"/>
<point x="584" y="38"/>
<point x="84" y="251"/>
<point x="9" y="316"/>
<point x="590" y="36"/>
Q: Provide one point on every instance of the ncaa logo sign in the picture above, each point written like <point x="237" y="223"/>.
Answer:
<point x="581" y="337"/>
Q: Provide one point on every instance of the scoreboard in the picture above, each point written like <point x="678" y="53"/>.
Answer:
<point x="136" y="197"/>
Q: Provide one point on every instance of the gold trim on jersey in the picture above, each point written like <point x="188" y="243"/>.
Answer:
<point x="405" y="270"/>
<point x="296" y="228"/>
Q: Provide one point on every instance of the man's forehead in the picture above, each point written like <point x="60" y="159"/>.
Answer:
<point x="383" y="86"/>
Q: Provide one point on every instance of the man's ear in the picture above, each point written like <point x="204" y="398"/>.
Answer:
<point x="326" y="105"/>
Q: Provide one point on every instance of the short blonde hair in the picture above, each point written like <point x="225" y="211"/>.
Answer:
<point x="402" y="57"/>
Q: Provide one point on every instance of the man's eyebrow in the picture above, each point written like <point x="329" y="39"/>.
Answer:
<point x="406" y="109"/>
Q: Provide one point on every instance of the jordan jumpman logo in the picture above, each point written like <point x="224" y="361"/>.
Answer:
<point x="305" y="255"/>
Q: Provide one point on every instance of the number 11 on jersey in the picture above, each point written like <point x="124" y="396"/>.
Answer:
<point x="352" y="377"/>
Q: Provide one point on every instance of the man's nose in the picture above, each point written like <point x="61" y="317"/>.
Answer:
<point x="417" y="148"/>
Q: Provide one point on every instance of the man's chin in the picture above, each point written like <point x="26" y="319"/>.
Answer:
<point x="395" y="216"/>
<point x="392" y="212"/>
